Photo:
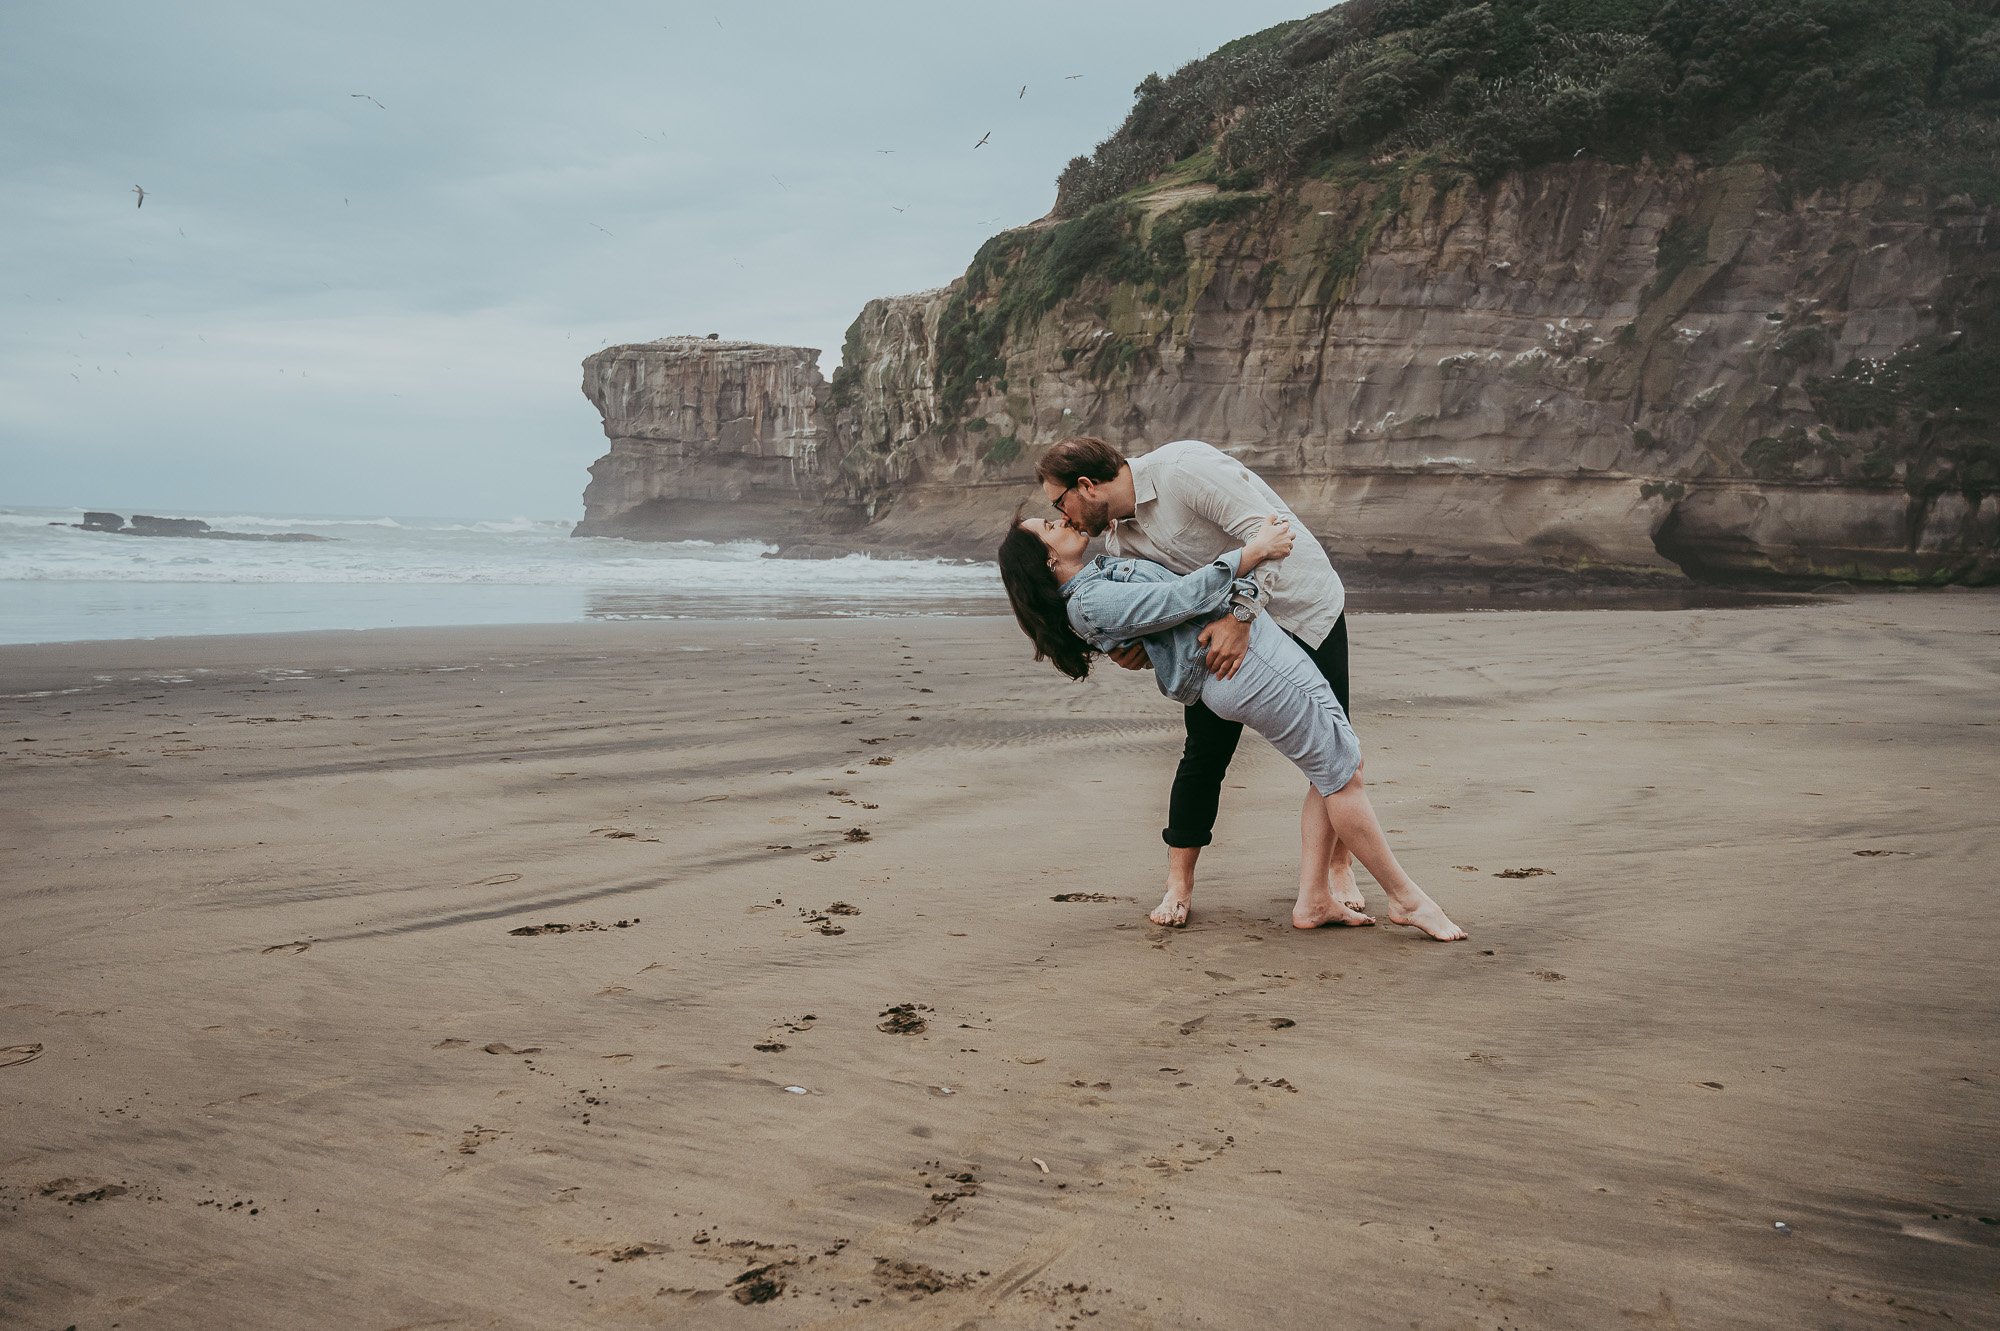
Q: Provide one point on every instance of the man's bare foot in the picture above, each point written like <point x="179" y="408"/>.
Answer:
<point x="1318" y="909"/>
<point x="1173" y="908"/>
<point x="1340" y="882"/>
<point x="1428" y="916"/>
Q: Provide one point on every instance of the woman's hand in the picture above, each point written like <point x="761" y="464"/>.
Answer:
<point x="1272" y="540"/>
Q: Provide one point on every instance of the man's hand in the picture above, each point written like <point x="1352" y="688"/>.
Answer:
<point x="1227" y="641"/>
<point x="1132" y="656"/>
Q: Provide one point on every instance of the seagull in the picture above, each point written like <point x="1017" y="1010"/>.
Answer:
<point x="781" y="184"/>
<point x="1023" y="93"/>
<point x="1068" y="77"/>
<point x="1578" y="153"/>
<point x="885" y="150"/>
<point x="898" y="209"/>
<point x="366" y="98"/>
<point x="142" y="197"/>
<point x="600" y="228"/>
<point x="982" y="139"/>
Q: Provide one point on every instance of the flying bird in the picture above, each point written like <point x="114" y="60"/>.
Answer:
<point x="885" y="150"/>
<point x="1068" y="77"/>
<point x="366" y="98"/>
<point x="781" y="184"/>
<point x="1023" y="93"/>
<point x="898" y="209"/>
<point x="142" y="197"/>
<point x="600" y="228"/>
<point x="982" y="139"/>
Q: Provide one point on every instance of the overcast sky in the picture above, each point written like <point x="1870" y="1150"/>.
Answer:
<point x="328" y="305"/>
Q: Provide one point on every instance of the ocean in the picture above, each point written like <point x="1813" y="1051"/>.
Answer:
<point x="59" y="584"/>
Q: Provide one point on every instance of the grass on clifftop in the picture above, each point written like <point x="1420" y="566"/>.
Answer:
<point x="1825" y="91"/>
<point x="1018" y="276"/>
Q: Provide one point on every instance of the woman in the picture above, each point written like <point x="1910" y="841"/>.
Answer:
<point x="1072" y="608"/>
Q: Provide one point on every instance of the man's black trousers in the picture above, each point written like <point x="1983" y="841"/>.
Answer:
<point x="1211" y="743"/>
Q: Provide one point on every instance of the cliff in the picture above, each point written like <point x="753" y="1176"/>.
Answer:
<point x="710" y="439"/>
<point x="1624" y="368"/>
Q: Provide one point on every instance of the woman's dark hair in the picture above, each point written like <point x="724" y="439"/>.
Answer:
<point x="1038" y="602"/>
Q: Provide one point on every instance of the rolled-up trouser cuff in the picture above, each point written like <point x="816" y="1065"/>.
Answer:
<point x="1185" y="840"/>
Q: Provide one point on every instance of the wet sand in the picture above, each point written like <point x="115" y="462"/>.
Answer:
<point x="855" y="1019"/>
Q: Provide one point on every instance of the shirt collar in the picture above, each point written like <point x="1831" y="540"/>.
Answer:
<point x="1094" y="569"/>
<point x="1144" y="491"/>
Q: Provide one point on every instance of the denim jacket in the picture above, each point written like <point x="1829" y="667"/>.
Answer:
<point x="1112" y="601"/>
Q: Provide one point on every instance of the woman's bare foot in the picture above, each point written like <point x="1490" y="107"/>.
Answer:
<point x="1340" y="882"/>
<point x="1322" y="908"/>
<point x="1428" y="916"/>
<point x="1173" y="908"/>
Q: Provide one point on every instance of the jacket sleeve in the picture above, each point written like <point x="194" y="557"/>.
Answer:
<point x="1123" y="610"/>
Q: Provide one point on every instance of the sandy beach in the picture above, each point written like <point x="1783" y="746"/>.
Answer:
<point x="796" y="974"/>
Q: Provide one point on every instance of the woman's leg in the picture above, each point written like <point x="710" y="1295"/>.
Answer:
<point x="1320" y="899"/>
<point x="1331" y="659"/>
<point x="1352" y="818"/>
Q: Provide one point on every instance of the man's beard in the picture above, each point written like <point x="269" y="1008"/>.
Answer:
<point x="1094" y="516"/>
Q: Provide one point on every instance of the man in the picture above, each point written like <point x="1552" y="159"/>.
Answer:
<point x="1182" y="505"/>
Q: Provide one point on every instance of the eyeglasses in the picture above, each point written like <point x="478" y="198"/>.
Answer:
<point x="1059" y="501"/>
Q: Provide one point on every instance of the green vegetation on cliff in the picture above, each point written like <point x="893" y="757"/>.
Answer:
<point x="1018" y="276"/>
<point x="1905" y="91"/>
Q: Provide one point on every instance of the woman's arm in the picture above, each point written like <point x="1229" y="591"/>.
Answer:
<point x="1272" y="539"/>
<point x="1108" y="611"/>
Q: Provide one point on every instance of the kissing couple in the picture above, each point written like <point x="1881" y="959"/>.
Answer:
<point x="1214" y="585"/>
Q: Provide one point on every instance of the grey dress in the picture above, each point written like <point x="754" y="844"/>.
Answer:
<point x="1277" y="691"/>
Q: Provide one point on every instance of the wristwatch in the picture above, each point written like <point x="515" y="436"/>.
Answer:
<point x="1243" y="612"/>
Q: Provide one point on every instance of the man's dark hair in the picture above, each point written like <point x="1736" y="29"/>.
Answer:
<point x="1038" y="601"/>
<point x="1085" y="457"/>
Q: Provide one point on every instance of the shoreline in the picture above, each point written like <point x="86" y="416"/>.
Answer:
<point x="626" y="606"/>
<point x="266" y="926"/>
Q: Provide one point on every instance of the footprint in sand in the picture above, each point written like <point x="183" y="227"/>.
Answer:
<point x="1087" y="896"/>
<point x="630" y="1252"/>
<point x="819" y="924"/>
<point x="1550" y="976"/>
<point x="295" y="947"/>
<point x="1523" y="873"/>
<point x="588" y="926"/>
<point x="906" y="1019"/>
<point x="475" y="1137"/>
<point x="497" y="880"/>
<point x="15" y="1054"/>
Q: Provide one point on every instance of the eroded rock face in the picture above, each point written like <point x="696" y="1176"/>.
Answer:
<point x="1574" y="368"/>
<point x="709" y="439"/>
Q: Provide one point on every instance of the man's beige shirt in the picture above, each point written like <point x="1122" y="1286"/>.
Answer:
<point x="1192" y="502"/>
